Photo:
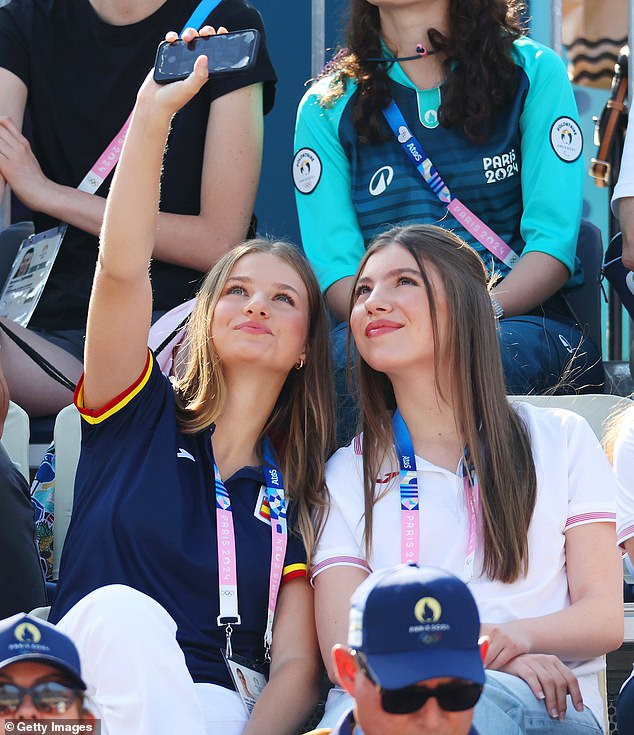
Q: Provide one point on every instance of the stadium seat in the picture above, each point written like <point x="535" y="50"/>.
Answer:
<point x="67" y="437"/>
<point x="596" y="408"/>
<point x="15" y="437"/>
<point x="585" y="300"/>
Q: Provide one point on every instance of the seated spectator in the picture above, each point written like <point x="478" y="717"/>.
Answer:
<point x="78" y="66"/>
<point x="40" y="674"/>
<point x="194" y="499"/>
<point x="510" y="497"/>
<point x="623" y="198"/>
<point x="619" y="446"/>
<point x="21" y="576"/>
<point x="412" y="663"/>
<point x="506" y="144"/>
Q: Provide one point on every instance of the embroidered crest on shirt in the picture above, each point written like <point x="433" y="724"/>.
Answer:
<point x="262" y="511"/>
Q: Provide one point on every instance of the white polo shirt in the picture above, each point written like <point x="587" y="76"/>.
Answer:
<point x="575" y="486"/>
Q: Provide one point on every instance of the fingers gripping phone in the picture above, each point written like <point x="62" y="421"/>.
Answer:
<point x="227" y="53"/>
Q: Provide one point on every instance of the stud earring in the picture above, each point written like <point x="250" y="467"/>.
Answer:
<point x="299" y="364"/>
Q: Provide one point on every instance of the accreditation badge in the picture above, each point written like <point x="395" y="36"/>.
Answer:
<point x="249" y="678"/>
<point x="29" y="273"/>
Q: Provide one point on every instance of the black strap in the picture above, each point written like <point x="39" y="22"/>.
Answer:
<point x="42" y="362"/>
<point x="171" y="336"/>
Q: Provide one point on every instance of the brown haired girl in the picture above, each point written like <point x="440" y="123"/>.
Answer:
<point x="517" y="500"/>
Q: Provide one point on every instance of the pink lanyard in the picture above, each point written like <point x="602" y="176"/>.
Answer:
<point x="422" y="163"/>
<point x="410" y="522"/>
<point x="227" y="566"/>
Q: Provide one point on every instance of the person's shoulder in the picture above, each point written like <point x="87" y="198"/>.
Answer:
<point x="238" y="14"/>
<point x="536" y="58"/>
<point x="328" y="95"/>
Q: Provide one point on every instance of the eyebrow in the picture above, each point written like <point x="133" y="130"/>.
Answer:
<point x="280" y="286"/>
<point x="57" y="676"/>
<point x="394" y="272"/>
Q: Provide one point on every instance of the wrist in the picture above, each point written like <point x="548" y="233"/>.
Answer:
<point x="498" y="310"/>
<point x="152" y="119"/>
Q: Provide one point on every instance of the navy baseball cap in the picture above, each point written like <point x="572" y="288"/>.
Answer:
<point x="415" y="623"/>
<point x="26" y="638"/>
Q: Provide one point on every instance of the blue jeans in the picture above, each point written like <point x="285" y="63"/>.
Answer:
<point x="538" y="354"/>
<point x="509" y="707"/>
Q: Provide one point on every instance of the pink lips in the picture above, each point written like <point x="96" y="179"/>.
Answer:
<point x="253" y="328"/>
<point x="381" y="326"/>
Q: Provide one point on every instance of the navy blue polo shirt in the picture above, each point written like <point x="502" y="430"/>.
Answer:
<point x="144" y="515"/>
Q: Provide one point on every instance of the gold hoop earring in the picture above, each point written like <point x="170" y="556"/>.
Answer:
<point x="299" y="364"/>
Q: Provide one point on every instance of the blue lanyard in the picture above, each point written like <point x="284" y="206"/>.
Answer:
<point x="415" y="152"/>
<point x="408" y="477"/>
<point x="199" y="16"/>
<point x="422" y="163"/>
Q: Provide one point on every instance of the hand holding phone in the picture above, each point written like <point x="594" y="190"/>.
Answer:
<point x="227" y="53"/>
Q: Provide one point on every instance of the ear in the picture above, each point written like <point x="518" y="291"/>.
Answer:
<point x="345" y="668"/>
<point x="483" y="642"/>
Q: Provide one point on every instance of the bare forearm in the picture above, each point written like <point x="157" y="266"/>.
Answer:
<point x="192" y="241"/>
<point x="568" y="633"/>
<point x="296" y="684"/>
<point x="626" y="220"/>
<point x="534" y="279"/>
<point x="338" y="297"/>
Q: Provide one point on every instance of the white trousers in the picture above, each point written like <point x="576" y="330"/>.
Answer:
<point x="135" y="670"/>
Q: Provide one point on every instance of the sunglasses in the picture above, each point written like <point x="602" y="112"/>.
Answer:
<point x="48" y="697"/>
<point x="452" y="697"/>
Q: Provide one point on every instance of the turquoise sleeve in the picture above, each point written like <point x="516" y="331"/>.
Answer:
<point x="552" y="161"/>
<point x="328" y="222"/>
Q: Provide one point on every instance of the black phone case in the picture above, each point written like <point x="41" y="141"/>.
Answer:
<point x="159" y="78"/>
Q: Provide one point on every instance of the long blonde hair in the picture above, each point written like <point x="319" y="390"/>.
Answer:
<point x="301" y="425"/>
<point x="616" y="422"/>
<point x="495" y="437"/>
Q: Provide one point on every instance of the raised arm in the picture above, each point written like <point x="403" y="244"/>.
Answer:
<point x="230" y="174"/>
<point x="121" y="299"/>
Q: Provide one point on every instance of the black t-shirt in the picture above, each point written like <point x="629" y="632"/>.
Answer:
<point x="83" y="75"/>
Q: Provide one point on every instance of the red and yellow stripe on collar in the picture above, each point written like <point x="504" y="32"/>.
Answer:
<point x="96" y="416"/>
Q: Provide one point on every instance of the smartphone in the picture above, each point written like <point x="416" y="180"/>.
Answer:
<point x="227" y="53"/>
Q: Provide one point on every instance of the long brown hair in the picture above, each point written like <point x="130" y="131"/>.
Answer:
<point x="480" y="72"/>
<point x="468" y="351"/>
<point x="301" y="425"/>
